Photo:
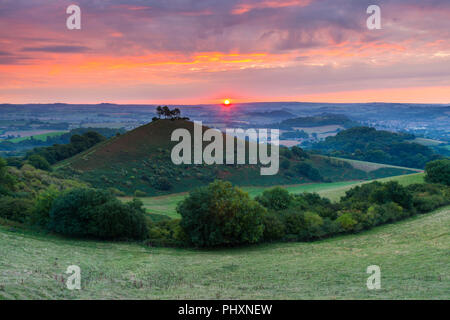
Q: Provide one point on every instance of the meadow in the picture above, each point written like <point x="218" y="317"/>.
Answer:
<point x="41" y="137"/>
<point x="334" y="191"/>
<point x="412" y="254"/>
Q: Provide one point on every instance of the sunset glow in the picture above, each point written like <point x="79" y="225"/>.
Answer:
<point x="305" y="50"/>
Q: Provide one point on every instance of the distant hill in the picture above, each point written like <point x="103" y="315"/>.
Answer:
<point x="140" y="160"/>
<point x="318" y="121"/>
<point x="369" y="144"/>
<point x="273" y="114"/>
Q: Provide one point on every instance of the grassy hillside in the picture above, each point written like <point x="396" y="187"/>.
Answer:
<point x="412" y="254"/>
<point x="334" y="191"/>
<point x="140" y="160"/>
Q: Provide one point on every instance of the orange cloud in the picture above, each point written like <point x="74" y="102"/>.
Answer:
<point x="246" y="7"/>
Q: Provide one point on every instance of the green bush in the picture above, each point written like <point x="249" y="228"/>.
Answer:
<point x="438" y="171"/>
<point x="313" y="225"/>
<point x="221" y="214"/>
<point x="39" y="162"/>
<point x="274" y="228"/>
<point x="15" y="209"/>
<point x="84" y="212"/>
<point x="6" y="180"/>
<point x="139" y="194"/>
<point x="305" y="169"/>
<point x="167" y="232"/>
<point x="163" y="184"/>
<point x="294" y="221"/>
<point x="346" y="222"/>
<point x="275" y="199"/>
<point x="40" y="214"/>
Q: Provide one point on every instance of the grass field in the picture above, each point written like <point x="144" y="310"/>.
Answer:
<point x="167" y="204"/>
<point x="428" y="142"/>
<point x="41" y="137"/>
<point x="413" y="256"/>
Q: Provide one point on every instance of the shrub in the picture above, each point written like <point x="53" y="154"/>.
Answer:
<point x="392" y="191"/>
<point x="40" y="214"/>
<point x="294" y="221"/>
<point x="313" y="225"/>
<point x="15" y="209"/>
<point x="308" y="171"/>
<point x="39" y="162"/>
<point x="438" y="171"/>
<point x="167" y="232"/>
<point x="6" y="180"/>
<point x="346" y="222"/>
<point x="117" y="192"/>
<point x="163" y="184"/>
<point x="274" y="228"/>
<point x="221" y="214"/>
<point x="298" y="152"/>
<point x="139" y="193"/>
<point x="275" y="198"/>
<point x="84" y="212"/>
<point x="425" y="204"/>
<point x="285" y="164"/>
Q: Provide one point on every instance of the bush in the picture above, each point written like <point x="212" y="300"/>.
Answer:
<point x="276" y="199"/>
<point x="40" y="214"/>
<point x="294" y="221"/>
<point x="313" y="225"/>
<point x="308" y="171"/>
<point x="6" y="180"/>
<point x="438" y="171"/>
<point x="15" y="209"/>
<point x="167" y="232"/>
<point x="346" y="222"/>
<point x="285" y="164"/>
<point x="139" y="193"/>
<point x="274" y="228"/>
<point x="39" y="162"/>
<point x="163" y="184"/>
<point x="87" y="212"/>
<point x="221" y="214"/>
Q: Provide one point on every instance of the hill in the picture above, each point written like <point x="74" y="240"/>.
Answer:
<point x="317" y="121"/>
<point x="412" y="255"/>
<point x="140" y="160"/>
<point x="369" y="144"/>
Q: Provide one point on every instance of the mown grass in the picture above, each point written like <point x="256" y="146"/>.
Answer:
<point x="413" y="256"/>
<point x="334" y="191"/>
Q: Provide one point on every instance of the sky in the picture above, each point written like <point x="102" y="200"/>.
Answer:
<point x="205" y="51"/>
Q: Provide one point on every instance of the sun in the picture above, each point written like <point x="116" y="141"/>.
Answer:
<point x="227" y="102"/>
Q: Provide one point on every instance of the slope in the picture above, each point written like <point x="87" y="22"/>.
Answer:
<point x="412" y="254"/>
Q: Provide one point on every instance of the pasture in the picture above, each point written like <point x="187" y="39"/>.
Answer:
<point x="412" y="254"/>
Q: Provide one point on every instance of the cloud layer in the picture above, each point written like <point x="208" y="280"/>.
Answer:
<point x="190" y="51"/>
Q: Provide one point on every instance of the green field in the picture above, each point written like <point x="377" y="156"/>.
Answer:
<point x="413" y="256"/>
<point x="41" y="137"/>
<point x="167" y="204"/>
<point x="428" y="142"/>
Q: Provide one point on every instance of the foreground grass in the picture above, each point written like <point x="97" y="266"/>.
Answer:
<point x="413" y="256"/>
<point x="334" y="191"/>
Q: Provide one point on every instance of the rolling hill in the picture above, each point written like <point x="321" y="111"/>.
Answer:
<point x="140" y="160"/>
